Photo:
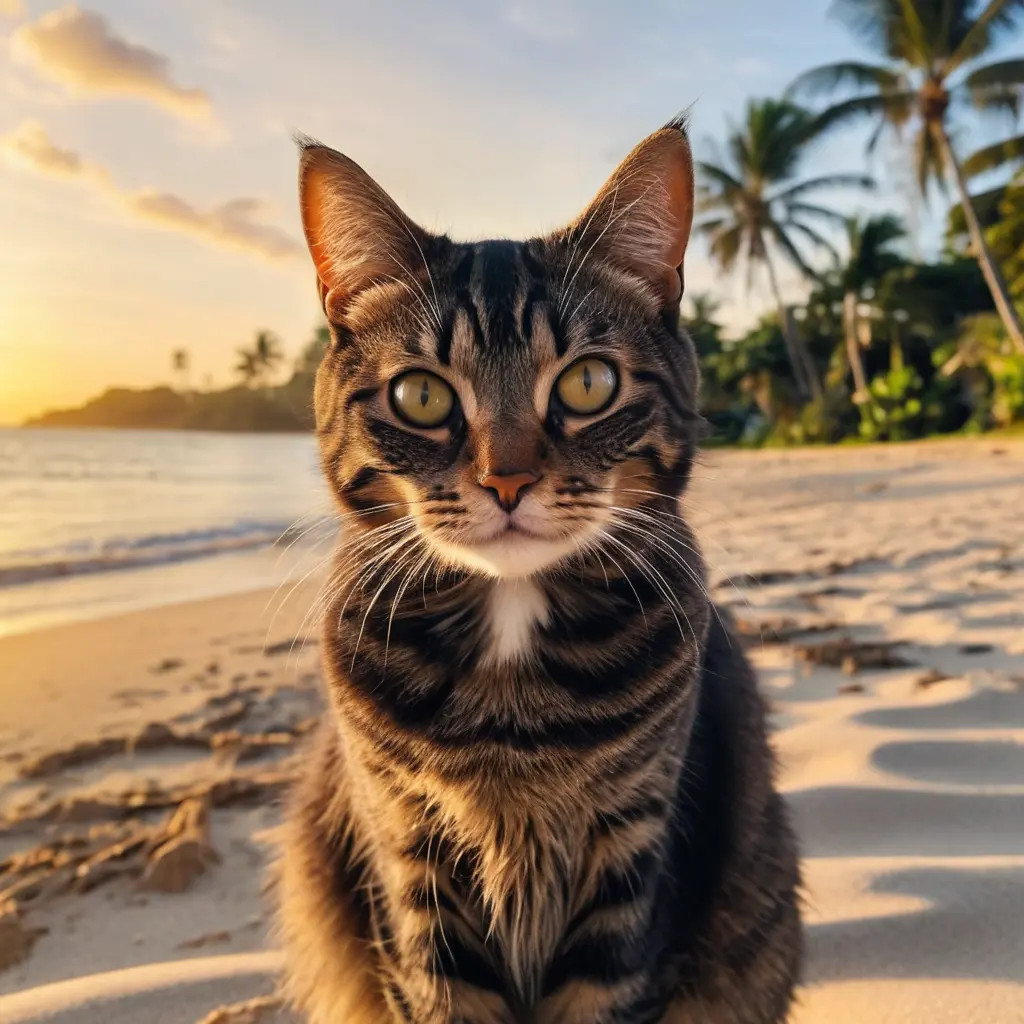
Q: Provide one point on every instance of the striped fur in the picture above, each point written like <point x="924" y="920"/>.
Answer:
<point x="545" y="792"/>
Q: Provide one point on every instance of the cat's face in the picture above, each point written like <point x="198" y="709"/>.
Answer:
<point x="504" y="406"/>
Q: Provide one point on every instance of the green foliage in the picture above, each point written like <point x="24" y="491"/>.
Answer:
<point x="936" y="357"/>
<point x="1005" y="236"/>
<point x="897" y="409"/>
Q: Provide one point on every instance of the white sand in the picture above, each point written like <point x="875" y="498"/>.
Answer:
<point x="909" y="799"/>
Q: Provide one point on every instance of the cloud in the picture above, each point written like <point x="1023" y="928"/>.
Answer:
<point x="12" y="8"/>
<point x="235" y="224"/>
<point x="30" y="146"/>
<point x="78" y="50"/>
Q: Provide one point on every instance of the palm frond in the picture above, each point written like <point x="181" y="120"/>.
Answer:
<point x="894" y="108"/>
<point x="1000" y="100"/>
<point x="999" y="19"/>
<point x="876" y="134"/>
<point x="1004" y="72"/>
<point x="875" y="22"/>
<point x="996" y="87"/>
<point x="773" y="140"/>
<point x="822" y="213"/>
<point x="919" y="41"/>
<point x="719" y="176"/>
<point x="831" y="78"/>
<point x="871" y="255"/>
<point x="988" y="158"/>
<point x="883" y="230"/>
<point x="815" y="238"/>
<point x="986" y="208"/>
<point x="792" y="253"/>
<point x="725" y="247"/>
<point x="826" y="181"/>
<point x="712" y="225"/>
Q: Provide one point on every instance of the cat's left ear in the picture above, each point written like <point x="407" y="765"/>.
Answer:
<point x="640" y="221"/>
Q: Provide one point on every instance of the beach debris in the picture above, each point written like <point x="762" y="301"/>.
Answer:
<point x="183" y="852"/>
<point x="289" y="646"/>
<point x="769" y="577"/>
<point x="850" y="688"/>
<point x="209" y="939"/>
<point x="152" y="833"/>
<point x="780" y="630"/>
<point x="211" y="729"/>
<point x="75" y="756"/>
<point x="252" y="1011"/>
<point x="930" y="678"/>
<point x="851" y="655"/>
<point x="16" y="938"/>
<point x="246" y="746"/>
<point x="812" y="597"/>
<point x="167" y="665"/>
<point x="113" y="859"/>
<point x="766" y="578"/>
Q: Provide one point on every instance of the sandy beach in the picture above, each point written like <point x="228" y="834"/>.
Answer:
<point x="880" y="592"/>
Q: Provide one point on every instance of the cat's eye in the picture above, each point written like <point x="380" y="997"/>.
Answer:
<point x="422" y="399"/>
<point x="587" y="387"/>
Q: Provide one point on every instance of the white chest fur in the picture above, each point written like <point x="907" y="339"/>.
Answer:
<point x="515" y="609"/>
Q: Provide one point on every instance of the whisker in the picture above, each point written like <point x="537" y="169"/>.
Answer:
<point x="624" y="575"/>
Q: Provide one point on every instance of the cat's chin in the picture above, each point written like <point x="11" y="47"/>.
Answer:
<point x="512" y="554"/>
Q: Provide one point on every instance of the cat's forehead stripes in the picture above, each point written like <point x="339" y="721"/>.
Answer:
<point x="493" y="293"/>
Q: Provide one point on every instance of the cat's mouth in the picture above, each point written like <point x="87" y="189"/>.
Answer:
<point x="512" y="530"/>
<point x="511" y="550"/>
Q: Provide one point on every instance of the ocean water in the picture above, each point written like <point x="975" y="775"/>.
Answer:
<point x="94" y="522"/>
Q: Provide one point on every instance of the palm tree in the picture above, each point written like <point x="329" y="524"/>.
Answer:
<point x="255" y="363"/>
<point x="870" y="258"/>
<point x="753" y="207"/>
<point x="247" y="368"/>
<point x="180" y="362"/>
<point x="930" y="50"/>
<point x="267" y="350"/>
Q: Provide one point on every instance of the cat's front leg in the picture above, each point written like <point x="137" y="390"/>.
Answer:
<point x="601" y="976"/>
<point x="439" y="969"/>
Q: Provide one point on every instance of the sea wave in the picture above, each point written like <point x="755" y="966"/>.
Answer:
<point x="120" y="553"/>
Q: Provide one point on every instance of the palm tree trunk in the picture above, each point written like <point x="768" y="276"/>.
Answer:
<point x="860" y="384"/>
<point x="804" y="374"/>
<point x="993" y="278"/>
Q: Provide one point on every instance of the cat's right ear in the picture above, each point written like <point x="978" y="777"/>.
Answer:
<point x="356" y="233"/>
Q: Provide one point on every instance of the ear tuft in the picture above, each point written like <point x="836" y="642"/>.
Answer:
<point x="640" y="221"/>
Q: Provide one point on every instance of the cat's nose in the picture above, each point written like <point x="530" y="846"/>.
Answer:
<point x="508" y="486"/>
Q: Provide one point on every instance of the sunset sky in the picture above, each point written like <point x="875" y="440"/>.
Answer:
<point x="147" y="177"/>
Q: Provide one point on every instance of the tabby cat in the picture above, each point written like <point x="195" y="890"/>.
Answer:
<point x="544" y="791"/>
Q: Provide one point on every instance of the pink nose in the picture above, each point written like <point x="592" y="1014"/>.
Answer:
<point x="508" y="488"/>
